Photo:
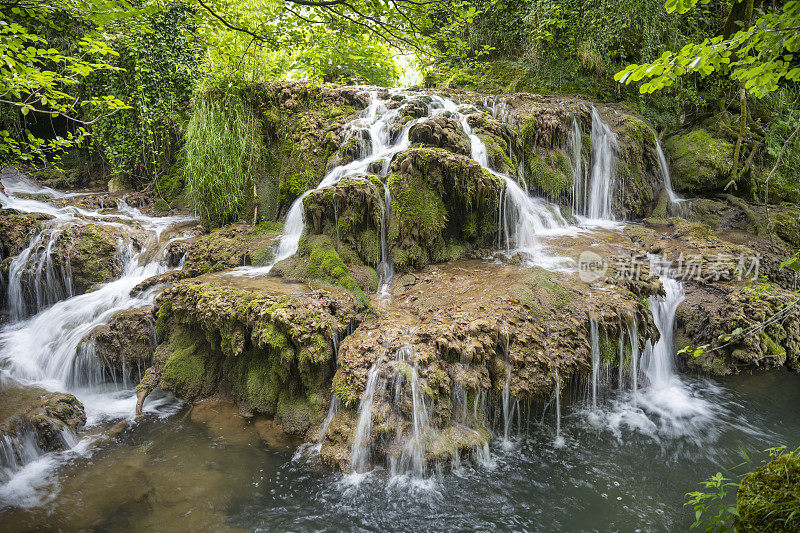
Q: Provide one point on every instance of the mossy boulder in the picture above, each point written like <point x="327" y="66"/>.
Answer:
<point x="126" y="344"/>
<point x="441" y="132"/>
<point x="769" y="496"/>
<point x="47" y="415"/>
<point x="786" y="223"/>
<point x="350" y="214"/>
<point x="231" y="246"/>
<point x="699" y="163"/>
<point x="442" y="205"/>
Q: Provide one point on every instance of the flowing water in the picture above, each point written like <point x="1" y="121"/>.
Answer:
<point x="43" y="349"/>
<point x="674" y="199"/>
<point x="622" y="457"/>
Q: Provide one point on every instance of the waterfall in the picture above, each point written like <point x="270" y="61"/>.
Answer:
<point x="46" y="349"/>
<point x="523" y="219"/>
<point x="633" y="333"/>
<point x="385" y="264"/>
<point x="659" y="366"/>
<point x="360" y="459"/>
<point x="594" y="195"/>
<point x="332" y="410"/>
<point x="508" y="409"/>
<point x="662" y="164"/>
<point x="375" y="124"/>
<point x="578" y="175"/>
<point x="559" y="439"/>
<point x="595" y="338"/>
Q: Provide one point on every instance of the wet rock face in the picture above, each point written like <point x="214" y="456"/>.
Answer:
<point x="126" y="343"/>
<point x="266" y="343"/>
<point x="441" y="132"/>
<point x="461" y="341"/>
<point x="44" y="415"/>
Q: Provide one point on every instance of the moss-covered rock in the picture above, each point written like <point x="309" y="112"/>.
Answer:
<point x="699" y="163"/>
<point x="231" y="246"/>
<point x="46" y="415"/>
<point x="267" y="344"/>
<point x="441" y="132"/>
<point x="442" y="204"/>
<point x="126" y="344"/>
<point x="769" y="496"/>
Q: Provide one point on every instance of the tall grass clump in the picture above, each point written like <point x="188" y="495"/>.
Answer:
<point x="223" y="158"/>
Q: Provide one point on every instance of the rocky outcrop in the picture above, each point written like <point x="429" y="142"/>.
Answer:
<point x="268" y="344"/>
<point x="461" y="341"/>
<point x="126" y="344"/>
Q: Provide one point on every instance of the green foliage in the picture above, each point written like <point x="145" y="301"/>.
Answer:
<point x="157" y="62"/>
<point x="223" y="158"/>
<point x="40" y="77"/>
<point x="712" y="509"/>
<point x="759" y="56"/>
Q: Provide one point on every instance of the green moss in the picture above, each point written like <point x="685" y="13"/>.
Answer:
<point x="769" y="496"/>
<point x="189" y="371"/>
<point x="550" y="172"/>
<point x="699" y="163"/>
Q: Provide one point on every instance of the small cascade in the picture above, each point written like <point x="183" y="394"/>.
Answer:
<point x="579" y="176"/>
<point x="659" y="365"/>
<point x="595" y="338"/>
<point x="633" y="333"/>
<point x="385" y="264"/>
<point x="360" y="461"/>
<point x="508" y="409"/>
<point x="332" y="410"/>
<point x="43" y="345"/>
<point x="34" y="282"/>
<point x="559" y="439"/>
<point x="374" y="125"/>
<point x="594" y="194"/>
<point x="662" y="164"/>
<point x="412" y="457"/>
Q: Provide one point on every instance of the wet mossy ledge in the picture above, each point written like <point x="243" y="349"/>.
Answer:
<point x="269" y="347"/>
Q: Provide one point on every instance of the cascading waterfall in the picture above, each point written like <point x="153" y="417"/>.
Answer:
<point x="508" y="409"/>
<point x="385" y="264"/>
<point x="34" y="283"/>
<point x="659" y="365"/>
<point x="360" y="460"/>
<point x="593" y="195"/>
<point x="579" y="176"/>
<point x="559" y="439"/>
<point x="633" y="333"/>
<point x="46" y="349"/>
<point x="374" y="124"/>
